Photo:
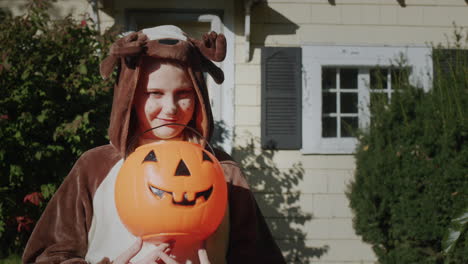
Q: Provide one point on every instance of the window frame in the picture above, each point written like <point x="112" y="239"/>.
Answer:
<point x="314" y="57"/>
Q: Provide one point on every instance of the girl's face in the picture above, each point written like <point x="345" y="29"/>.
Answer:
<point x="164" y="95"/>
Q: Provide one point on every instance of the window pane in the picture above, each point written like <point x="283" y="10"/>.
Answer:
<point x="328" y="103"/>
<point x="349" y="102"/>
<point x="328" y="78"/>
<point x="378" y="99"/>
<point x="349" y="126"/>
<point x="348" y="78"/>
<point x="399" y="77"/>
<point x="328" y="127"/>
<point x="378" y="78"/>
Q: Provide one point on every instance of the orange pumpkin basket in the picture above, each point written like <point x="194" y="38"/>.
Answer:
<point x="171" y="190"/>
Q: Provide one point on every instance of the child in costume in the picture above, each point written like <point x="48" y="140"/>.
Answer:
<point x="160" y="81"/>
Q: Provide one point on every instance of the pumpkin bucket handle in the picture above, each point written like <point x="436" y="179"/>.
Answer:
<point x="132" y="141"/>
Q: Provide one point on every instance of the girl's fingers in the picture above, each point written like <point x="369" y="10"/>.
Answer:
<point x="167" y="259"/>
<point x="127" y="255"/>
<point x="160" y="254"/>
<point x="203" y="256"/>
<point x="155" y="254"/>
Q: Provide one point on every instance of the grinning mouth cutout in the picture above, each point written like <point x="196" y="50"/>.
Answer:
<point x="185" y="198"/>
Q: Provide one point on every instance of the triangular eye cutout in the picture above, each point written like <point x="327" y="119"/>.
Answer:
<point x="182" y="169"/>
<point x="150" y="157"/>
<point x="206" y="157"/>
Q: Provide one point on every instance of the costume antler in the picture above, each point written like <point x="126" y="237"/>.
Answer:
<point x="130" y="45"/>
<point x="212" y="46"/>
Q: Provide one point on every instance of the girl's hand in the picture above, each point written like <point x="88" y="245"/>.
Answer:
<point x="158" y="255"/>
<point x="164" y="258"/>
<point x="152" y="257"/>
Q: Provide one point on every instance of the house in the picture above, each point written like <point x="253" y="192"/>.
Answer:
<point x="298" y="74"/>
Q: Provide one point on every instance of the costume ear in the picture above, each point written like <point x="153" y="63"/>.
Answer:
<point x="128" y="46"/>
<point x="107" y="66"/>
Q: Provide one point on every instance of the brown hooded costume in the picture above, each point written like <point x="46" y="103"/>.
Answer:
<point x="80" y="223"/>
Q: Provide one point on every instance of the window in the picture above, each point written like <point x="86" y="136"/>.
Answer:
<point x="340" y="101"/>
<point x="339" y="84"/>
<point x="344" y="89"/>
<point x="314" y="98"/>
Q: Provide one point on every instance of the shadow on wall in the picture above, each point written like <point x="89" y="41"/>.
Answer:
<point x="277" y="196"/>
<point x="276" y="193"/>
<point x="220" y="134"/>
<point x="268" y="22"/>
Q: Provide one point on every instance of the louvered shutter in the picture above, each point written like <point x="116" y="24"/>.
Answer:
<point x="281" y="98"/>
<point x="446" y="61"/>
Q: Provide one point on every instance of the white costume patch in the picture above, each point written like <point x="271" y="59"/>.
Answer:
<point x="167" y="31"/>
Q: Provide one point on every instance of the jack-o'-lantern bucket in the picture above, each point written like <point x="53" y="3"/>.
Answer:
<point x="171" y="190"/>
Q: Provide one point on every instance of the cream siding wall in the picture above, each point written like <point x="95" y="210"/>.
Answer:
<point x="353" y="22"/>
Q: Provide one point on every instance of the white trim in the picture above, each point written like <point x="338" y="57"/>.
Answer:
<point x="223" y="95"/>
<point x="213" y="88"/>
<point x="227" y="94"/>
<point x="214" y="20"/>
<point x="316" y="56"/>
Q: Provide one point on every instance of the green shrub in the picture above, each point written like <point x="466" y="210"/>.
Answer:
<point x="54" y="106"/>
<point x="12" y="259"/>
<point x="411" y="177"/>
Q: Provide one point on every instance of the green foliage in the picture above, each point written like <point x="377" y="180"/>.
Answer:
<point x="54" y="106"/>
<point x="411" y="177"/>
<point x="12" y="259"/>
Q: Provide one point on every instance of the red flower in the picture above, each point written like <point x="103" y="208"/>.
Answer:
<point x="34" y="198"/>
<point x="83" y="23"/>
<point x="24" y="223"/>
<point x="5" y="117"/>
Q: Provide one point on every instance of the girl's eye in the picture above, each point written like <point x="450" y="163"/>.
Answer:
<point x="156" y="93"/>
<point x="185" y="94"/>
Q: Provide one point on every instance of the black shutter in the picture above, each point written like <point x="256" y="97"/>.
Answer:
<point x="281" y="98"/>
<point x="446" y="61"/>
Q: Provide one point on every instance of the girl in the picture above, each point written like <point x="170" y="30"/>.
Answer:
<point x="160" y="81"/>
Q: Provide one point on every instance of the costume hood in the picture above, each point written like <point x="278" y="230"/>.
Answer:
<point x="163" y="42"/>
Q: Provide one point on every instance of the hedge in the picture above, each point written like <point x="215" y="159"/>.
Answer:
<point x="411" y="179"/>
<point x="54" y="106"/>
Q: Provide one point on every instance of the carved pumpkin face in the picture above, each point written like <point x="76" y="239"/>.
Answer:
<point x="171" y="190"/>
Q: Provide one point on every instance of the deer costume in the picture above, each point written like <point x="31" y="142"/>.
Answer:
<point x="81" y="224"/>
